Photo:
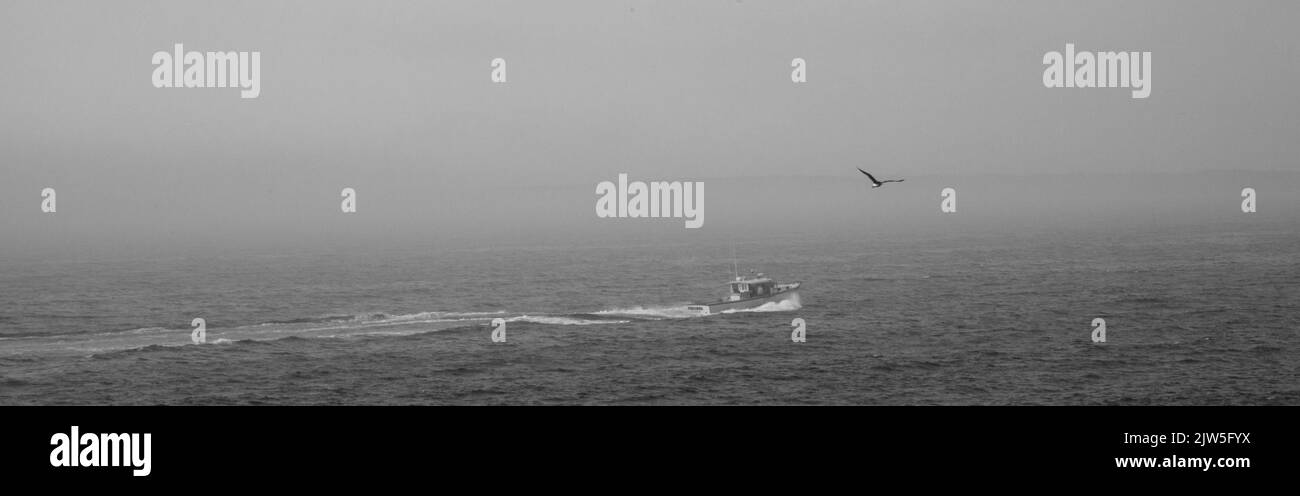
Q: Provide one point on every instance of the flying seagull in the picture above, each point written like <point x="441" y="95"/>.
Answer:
<point x="874" y="182"/>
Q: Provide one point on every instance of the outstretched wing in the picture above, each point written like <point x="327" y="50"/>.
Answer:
<point x="892" y="181"/>
<point x="868" y="175"/>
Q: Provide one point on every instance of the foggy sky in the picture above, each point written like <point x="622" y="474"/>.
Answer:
<point x="394" y="100"/>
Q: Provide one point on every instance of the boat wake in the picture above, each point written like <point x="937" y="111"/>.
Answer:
<point x="650" y="313"/>
<point x="685" y="312"/>
<point x="337" y="326"/>
<point x="549" y="320"/>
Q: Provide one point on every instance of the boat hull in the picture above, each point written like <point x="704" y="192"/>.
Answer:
<point x="723" y="306"/>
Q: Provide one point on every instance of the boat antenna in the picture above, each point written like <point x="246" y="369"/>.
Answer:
<point x="734" y="270"/>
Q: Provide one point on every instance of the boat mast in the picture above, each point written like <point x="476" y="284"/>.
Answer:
<point x="734" y="270"/>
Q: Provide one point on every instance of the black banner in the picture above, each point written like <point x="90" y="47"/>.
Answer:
<point x="328" y="445"/>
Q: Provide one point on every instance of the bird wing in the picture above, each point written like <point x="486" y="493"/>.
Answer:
<point x="868" y="175"/>
<point x="892" y="181"/>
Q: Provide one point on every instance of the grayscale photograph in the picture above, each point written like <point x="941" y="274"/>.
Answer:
<point x="648" y="203"/>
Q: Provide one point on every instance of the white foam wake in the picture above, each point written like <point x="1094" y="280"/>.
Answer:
<point x="542" y="319"/>
<point x="666" y="312"/>
<point x="433" y="316"/>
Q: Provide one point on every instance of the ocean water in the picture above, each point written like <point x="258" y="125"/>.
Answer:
<point x="1198" y="314"/>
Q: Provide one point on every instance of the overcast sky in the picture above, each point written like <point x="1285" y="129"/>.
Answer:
<point x="394" y="99"/>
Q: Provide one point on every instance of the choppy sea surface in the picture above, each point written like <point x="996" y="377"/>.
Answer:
<point x="1194" y="315"/>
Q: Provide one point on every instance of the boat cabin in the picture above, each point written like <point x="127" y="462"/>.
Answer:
<point x="751" y="287"/>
